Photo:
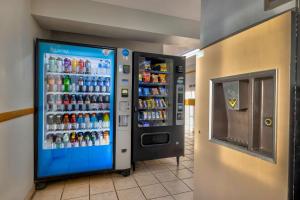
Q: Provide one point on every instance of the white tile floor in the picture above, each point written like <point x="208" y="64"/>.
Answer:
<point x="156" y="179"/>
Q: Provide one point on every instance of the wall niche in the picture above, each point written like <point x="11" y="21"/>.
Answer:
<point x="242" y="113"/>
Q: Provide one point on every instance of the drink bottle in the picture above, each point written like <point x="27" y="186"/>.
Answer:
<point x="80" y="103"/>
<point x="88" y="85"/>
<point x="66" y="140"/>
<point x="58" y="122"/>
<point x="87" y="139"/>
<point x="52" y="64"/>
<point x="66" y="122"/>
<point x="58" y="83"/>
<point x="74" y="66"/>
<point x="102" y="86"/>
<point x="94" y="103"/>
<point x="72" y="87"/>
<point x="101" y="140"/>
<point x="97" y="136"/>
<point x="87" y="102"/>
<point x="81" y="67"/>
<point x="105" y="120"/>
<point x="80" y="84"/>
<point x="58" y="141"/>
<point x="100" y="67"/>
<point x="66" y="102"/>
<point x="107" y="84"/>
<point x="97" y="87"/>
<point x="94" y="84"/>
<point x="50" y="140"/>
<point x="94" y="121"/>
<point x="67" y="65"/>
<point x="80" y="121"/>
<point x="80" y="139"/>
<point x="50" y="123"/>
<point x="88" y="67"/>
<point x="51" y="102"/>
<point x="87" y="121"/>
<point x="73" y="122"/>
<point x="107" y="66"/>
<point x="58" y="102"/>
<point x="60" y="65"/>
<point x="73" y="139"/>
<point x="106" y="100"/>
<point x="73" y="102"/>
<point x="100" y="102"/>
<point x="67" y="84"/>
<point x="51" y="83"/>
<point x="93" y="137"/>
<point x="100" y="120"/>
<point x="106" y="137"/>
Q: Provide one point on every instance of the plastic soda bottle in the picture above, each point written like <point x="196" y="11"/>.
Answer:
<point x="66" y="84"/>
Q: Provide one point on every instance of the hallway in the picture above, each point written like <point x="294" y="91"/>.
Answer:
<point x="156" y="179"/>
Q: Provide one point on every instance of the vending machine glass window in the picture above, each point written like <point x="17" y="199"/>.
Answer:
<point x="155" y="92"/>
<point x="75" y="108"/>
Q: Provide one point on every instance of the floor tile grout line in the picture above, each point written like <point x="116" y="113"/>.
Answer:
<point x="115" y="190"/>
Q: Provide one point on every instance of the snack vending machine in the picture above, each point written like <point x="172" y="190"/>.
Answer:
<point x="158" y="100"/>
<point x="75" y="103"/>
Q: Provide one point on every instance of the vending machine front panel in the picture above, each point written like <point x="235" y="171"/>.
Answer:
<point x="74" y="109"/>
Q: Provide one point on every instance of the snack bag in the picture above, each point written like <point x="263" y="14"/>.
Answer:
<point x="154" y="91"/>
<point x="146" y="91"/>
<point x="162" y="91"/>
<point x="154" y="78"/>
<point x="146" y="77"/>
<point x="162" y="78"/>
<point x="140" y="78"/>
<point x="147" y="65"/>
<point x="140" y="103"/>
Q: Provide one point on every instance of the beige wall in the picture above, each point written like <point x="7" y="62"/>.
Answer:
<point x="17" y="33"/>
<point x="221" y="172"/>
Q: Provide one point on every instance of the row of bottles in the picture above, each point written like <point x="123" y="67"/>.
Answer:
<point x="77" y="122"/>
<point x="146" y="91"/>
<point x="77" y="102"/>
<point x="152" y="103"/>
<point x="153" y="115"/>
<point x="73" y="139"/>
<point x="78" y="66"/>
<point x="77" y="84"/>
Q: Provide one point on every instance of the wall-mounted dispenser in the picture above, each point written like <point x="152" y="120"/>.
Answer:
<point x="242" y="112"/>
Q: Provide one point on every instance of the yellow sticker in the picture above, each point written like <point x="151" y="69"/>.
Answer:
<point x="232" y="102"/>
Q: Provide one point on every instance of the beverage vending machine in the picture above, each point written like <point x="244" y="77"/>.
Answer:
<point x="158" y="100"/>
<point x="82" y="97"/>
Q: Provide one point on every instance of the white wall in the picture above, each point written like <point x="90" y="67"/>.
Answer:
<point x="17" y="33"/>
<point x="88" y="39"/>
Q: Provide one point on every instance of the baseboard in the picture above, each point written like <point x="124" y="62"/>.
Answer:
<point x="30" y="193"/>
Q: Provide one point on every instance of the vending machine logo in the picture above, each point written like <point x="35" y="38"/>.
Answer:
<point x="125" y="53"/>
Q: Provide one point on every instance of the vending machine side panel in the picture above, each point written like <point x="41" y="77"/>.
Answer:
<point x="123" y="109"/>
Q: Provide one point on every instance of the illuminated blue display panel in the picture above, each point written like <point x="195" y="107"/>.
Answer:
<point x="75" y="103"/>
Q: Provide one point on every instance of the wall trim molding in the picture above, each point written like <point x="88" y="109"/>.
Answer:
<point x="6" y="116"/>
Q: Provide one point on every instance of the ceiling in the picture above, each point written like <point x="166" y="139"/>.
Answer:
<point x="187" y="9"/>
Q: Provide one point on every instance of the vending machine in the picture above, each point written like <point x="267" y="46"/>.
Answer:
<point x="158" y="101"/>
<point x="82" y="97"/>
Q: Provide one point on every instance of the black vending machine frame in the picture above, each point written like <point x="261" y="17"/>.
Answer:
<point x="175" y="146"/>
<point x="40" y="183"/>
